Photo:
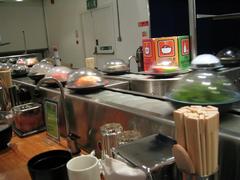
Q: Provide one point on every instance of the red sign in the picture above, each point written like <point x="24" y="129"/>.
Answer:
<point x="143" y="23"/>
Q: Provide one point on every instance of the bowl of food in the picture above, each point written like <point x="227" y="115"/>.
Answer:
<point x="59" y="73"/>
<point x="85" y="79"/>
<point x="203" y="87"/>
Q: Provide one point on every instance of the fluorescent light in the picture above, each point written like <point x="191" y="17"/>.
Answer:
<point x="19" y="0"/>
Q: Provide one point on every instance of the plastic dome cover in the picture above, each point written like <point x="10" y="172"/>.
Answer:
<point x="40" y="68"/>
<point x="59" y="72"/>
<point x="230" y="53"/>
<point x="19" y="68"/>
<point x="206" y="61"/>
<point x="115" y="65"/>
<point x="5" y="66"/>
<point x="165" y="66"/>
<point x="205" y="88"/>
<point x="84" y="78"/>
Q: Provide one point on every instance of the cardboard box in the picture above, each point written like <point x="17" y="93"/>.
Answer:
<point x="149" y="54"/>
<point x="174" y="49"/>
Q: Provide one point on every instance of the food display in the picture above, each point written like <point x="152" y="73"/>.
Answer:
<point x="18" y="70"/>
<point x="59" y="73"/>
<point x="84" y="78"/>
<point x="38" y="71"/>
<point x="115" y="66"/>
<point x="164" y="66"/>
<point x="204" y="87"/>
<point x="164" y="69"/>
<point x="211" y="89"/>
<point x="5" y="66"/>
<point x="30" y="61"/>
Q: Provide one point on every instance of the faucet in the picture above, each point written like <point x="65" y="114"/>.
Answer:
<point x="71" y="138"/>
<point x="138" y="59"/>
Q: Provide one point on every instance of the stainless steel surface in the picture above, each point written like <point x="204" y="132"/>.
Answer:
<point x="192" y="27"/>
<point x="146" y="85"/>
<point x="87" y="112"/>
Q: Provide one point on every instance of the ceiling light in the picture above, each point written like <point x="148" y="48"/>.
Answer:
<point x="19" y="0"/>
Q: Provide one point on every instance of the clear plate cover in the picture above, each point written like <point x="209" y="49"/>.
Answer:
<point x="115" y="65"/>
<point x="204" y="87"/>
<point x="230" y="53"/>
<point x="40" y="69"/>
<point x="59" y="73"/>
<point x="206" y="61"/>
<point x="84" y="78"/>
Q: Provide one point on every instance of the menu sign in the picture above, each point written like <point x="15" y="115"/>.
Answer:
<point x="51" y="118"/>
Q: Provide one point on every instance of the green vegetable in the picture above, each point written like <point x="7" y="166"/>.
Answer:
<point x="198" y="93"/>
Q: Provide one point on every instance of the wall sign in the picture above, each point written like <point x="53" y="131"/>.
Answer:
<point x="51" y="118"/>
<point x="91" y="4"/>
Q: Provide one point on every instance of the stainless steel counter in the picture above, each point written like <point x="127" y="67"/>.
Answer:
<point x="87" y="112"/>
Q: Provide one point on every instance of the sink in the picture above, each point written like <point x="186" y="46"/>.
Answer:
<point x="143" y="84"/>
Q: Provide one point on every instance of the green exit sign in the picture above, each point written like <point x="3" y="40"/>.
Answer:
<point x="91" y="4"/>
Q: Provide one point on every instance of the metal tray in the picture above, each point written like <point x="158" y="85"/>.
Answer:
<point x="149" y="153"/>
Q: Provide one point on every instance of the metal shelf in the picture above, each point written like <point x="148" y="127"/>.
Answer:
<point x="220" y="16"/>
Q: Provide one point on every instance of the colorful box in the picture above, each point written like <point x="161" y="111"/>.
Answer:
<point x="173" y="49"/>
<point x="149" y="53"/>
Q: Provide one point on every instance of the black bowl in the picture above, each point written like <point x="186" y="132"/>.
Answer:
<point x="5" y="135"/>
<point x="49" y="165"/>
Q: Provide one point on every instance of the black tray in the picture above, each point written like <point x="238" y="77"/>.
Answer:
<point x="25" y="134"/>
<point x="151" y="152"/>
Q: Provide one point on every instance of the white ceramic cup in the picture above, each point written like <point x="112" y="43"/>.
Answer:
<point x="83" y="168"/>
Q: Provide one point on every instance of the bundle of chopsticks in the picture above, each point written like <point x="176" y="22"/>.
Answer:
<point x="196" y="130"/>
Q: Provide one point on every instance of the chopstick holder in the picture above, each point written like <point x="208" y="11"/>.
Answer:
<point x="196" y="130"/>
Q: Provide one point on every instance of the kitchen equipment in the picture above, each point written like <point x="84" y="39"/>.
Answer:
<point x="49" y="165"/>
<point x="84" y="80"/>
<point x="153" y="154"/>
<point x="19" y="70"/>
<point x="38" y="71"/>
<point x="204" y="87"/>
<point x="28" y="118"/>
<point x="59" y="73"/>
<point x="110" y="138"/>
<point x="116" y="66"/>
<point x="5" y="128"/>
<point x="229" y="56"/>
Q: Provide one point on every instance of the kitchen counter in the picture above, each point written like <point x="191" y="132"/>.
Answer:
<point x="13" y="160"/>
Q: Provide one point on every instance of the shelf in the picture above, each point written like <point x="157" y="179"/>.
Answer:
<point x="220" y="16"/>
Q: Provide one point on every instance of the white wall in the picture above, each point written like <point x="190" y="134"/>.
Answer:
<point x="63" y="22"/>
<point x="64" y="19"/>
<point x="18" y="17"/>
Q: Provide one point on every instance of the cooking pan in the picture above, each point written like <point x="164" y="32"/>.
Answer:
<point x="229" y="56"/>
